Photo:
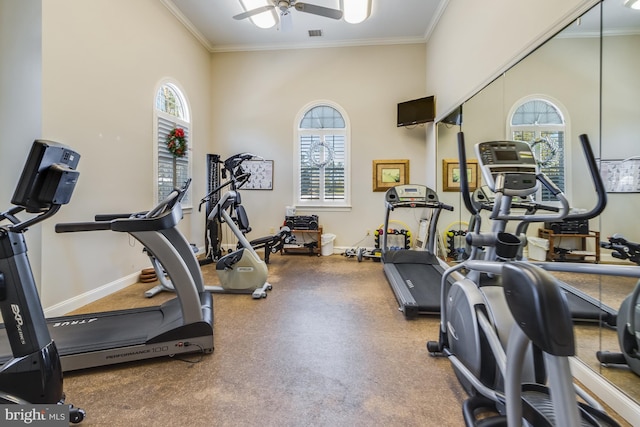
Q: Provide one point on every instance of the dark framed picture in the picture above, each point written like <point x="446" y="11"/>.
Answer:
<point x="389" y="173"/>
<point x="451" y="174"/>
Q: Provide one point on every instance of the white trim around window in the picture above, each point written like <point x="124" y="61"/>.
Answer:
<point x="321" y="203"/>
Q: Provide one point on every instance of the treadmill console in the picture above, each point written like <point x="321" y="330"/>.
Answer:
<point x="411" y="193"/>
<point x="514" y="160"/>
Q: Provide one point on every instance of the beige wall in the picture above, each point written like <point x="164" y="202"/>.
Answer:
<point x="20" y="101"/>
<point x="474" y="41"/>
<point x="257" y="96"/>
<point x="102" y="61"/>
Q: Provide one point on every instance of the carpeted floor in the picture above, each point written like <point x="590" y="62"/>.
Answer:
<point x="328" y="347"/>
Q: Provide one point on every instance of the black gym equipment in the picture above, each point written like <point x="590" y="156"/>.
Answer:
<point x="181" y="325"/>
<point x="628" y="322"/>
<point x="414" y="275"/>
<point x="32" y="372"/>
<point x="508" y="338"/>
<point x="622" y="248"/>
<point x="238" y="177"/>
<point x="628" y="329"/>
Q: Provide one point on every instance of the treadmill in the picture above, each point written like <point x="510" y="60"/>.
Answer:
<point x="181" y="325"/>
<point x="414" y="275"/>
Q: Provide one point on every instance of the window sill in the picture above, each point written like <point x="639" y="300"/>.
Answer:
<point x="322" y="208"/>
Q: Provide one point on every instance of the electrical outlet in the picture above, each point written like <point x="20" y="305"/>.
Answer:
<point x="272" y="230"/>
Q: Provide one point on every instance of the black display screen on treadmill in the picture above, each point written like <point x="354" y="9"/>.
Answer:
<point x="502" y="156"/>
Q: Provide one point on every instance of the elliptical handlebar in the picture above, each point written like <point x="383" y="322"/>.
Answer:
<point x="597" y="183"/>
<point x="464" y="180"/>
<point x="562" y="213"/>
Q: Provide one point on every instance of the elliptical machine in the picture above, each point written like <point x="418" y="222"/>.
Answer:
<point x="503" y="333"/>
<point x="34" y="374"/>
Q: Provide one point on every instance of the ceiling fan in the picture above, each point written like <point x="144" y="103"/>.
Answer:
<point x="285" y="5"/>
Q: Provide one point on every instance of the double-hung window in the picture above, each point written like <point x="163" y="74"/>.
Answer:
<point x="171" y="113"/>
<point x="322" y="153"/>
<point x="541" y="123"/>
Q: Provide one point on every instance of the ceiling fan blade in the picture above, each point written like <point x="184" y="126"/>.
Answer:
<point x="253" y="12"/>
<point x="319" y="10"/>
<point x="286" y="22"/>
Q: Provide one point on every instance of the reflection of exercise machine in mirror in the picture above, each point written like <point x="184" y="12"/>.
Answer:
<point x="628" y="326"/>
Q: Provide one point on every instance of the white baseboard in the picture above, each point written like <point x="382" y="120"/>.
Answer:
<point x="76" y="302"/>
<point x="622" y="404"/>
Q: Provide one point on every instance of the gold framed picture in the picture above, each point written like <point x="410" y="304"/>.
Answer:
<point x="451" y="174"/>
<point x="389" y="173"/>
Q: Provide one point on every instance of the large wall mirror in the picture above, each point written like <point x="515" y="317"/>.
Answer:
<point x="583" y="80"/>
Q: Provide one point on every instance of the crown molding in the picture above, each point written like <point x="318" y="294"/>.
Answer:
<point x="317" y="44"/>
<point x="169" y="4"/>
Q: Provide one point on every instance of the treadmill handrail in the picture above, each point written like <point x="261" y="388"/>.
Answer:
<point x="166" y="220"/>
<point x="166" y="214"/>
<point x="419" y="204"/>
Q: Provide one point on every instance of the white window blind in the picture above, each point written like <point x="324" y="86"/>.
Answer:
<point x="171" y="112"/>
<point x="167" y="179"/>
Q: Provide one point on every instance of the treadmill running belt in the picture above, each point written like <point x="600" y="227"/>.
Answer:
<point x="423" y="281"/>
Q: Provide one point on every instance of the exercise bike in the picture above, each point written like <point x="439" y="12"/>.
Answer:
<point x="240" y="271"/>
<point x="504" y="336"/>
<point x="34" y="374"/>
<point x="628" y="323"/>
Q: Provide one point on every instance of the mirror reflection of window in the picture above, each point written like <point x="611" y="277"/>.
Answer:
<point x="541" y="124"/>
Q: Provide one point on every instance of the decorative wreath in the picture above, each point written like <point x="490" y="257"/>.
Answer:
<point x="315" y="148"/>
<point x="176" y="142"/>
<point x="547" y="147"/>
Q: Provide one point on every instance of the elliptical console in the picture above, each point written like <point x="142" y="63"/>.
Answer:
<point x="512" y="160"/>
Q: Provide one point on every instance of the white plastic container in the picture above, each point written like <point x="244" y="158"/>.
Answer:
<point x="537" y="248"/>
<point x="327" y="244"/>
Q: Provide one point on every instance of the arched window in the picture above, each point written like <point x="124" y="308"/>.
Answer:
<point x="540" y="122"/>
<point x="322" y="156"/>
<point x="173" y="166"/>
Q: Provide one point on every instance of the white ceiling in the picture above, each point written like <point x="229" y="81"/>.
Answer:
<point x="400" y="21"/>
<point x="391" y="22"/>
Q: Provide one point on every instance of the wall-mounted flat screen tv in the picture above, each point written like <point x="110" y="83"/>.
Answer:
<point x="418" y="111"/>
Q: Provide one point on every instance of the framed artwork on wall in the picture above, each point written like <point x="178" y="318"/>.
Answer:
<point x="261" y="174"/>
<point x="389" y="173"/>
<point x="621" y="176"/>
<point x="451" y="174"/>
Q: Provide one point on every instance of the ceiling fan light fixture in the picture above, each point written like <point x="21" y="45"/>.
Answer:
<point x="355" y="11"/>
<point x="262" y="20"/>
<point x="633" y="4"/>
